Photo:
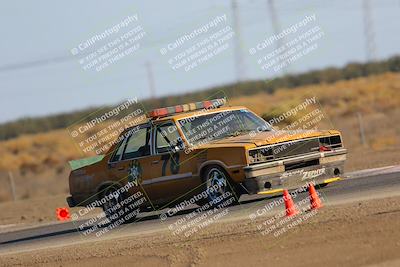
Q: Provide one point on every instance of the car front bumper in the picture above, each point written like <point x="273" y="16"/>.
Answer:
<point x="294" y="172"/>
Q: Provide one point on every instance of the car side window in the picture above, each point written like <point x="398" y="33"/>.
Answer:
<point x="119" y="151"/>
<point x="167" y="138"/>
<point x="138" y="144"/>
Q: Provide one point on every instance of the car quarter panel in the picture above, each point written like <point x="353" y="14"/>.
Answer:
<point x="84" y="182"/>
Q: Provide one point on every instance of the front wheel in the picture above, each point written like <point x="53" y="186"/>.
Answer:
<point x="219" y="189"/>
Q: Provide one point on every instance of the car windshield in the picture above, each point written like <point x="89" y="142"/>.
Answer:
<point x="205" y="128"/>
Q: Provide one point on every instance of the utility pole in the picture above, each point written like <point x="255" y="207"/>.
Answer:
<point x="12" y="185"/>
<point x="239" y="63"/>
<point x="361" y="127"/>
<point x="275" y="22"/>
<point x="150" y="79"/>
<point x="369" y="33"/>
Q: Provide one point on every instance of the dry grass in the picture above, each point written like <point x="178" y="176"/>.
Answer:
<point x="373" y="94"/>
<point x="37" y="152"/>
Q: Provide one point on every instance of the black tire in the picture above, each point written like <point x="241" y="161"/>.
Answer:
<point x="219" y="187"/>
<point x="113" y="207"/>
<point x="319" y="186"/>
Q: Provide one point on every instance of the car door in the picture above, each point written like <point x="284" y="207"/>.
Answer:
<point x="170" y="164"/>
<point x="131" y="161"/>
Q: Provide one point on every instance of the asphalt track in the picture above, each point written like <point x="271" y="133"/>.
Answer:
<point x="356" y="186"/>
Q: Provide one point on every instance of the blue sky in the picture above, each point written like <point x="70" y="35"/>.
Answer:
<point x="46" y="30"/>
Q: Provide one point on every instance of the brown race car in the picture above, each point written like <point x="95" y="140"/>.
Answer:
<point x="204" y="147"/>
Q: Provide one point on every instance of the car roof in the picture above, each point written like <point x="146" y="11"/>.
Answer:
<point x="178" y="116"/>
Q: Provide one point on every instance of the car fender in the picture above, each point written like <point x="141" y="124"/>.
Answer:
<point x="205" y="164"/>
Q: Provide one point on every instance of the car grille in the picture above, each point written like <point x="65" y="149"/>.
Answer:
<point x="293" y="148"/>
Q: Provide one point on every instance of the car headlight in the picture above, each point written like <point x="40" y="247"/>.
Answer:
<point x="260" y="155"/>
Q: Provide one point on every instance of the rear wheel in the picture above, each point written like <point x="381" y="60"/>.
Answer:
<point x="114" y="207"/>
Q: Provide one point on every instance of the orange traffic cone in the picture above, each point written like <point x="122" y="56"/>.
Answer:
<point x="314" y="199"/>
<point x="289" y="204"/>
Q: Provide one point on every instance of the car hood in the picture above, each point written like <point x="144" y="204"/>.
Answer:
<point x="268" y="138"/>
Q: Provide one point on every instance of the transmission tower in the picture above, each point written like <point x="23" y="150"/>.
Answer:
<point x="369" y="33"/>
<point x="276" y="27"/>
<point x="275" y="22"/>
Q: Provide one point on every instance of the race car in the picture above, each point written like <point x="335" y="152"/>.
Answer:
<point x="204" y="148"/>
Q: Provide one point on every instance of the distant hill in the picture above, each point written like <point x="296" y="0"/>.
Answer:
<point x="329" y="75"/>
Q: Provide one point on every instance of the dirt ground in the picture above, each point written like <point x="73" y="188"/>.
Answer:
<point x="355" y="234"/>
<point x="29" y="212"/>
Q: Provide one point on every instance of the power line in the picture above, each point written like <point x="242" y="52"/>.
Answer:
<point x="34" y="63"/>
